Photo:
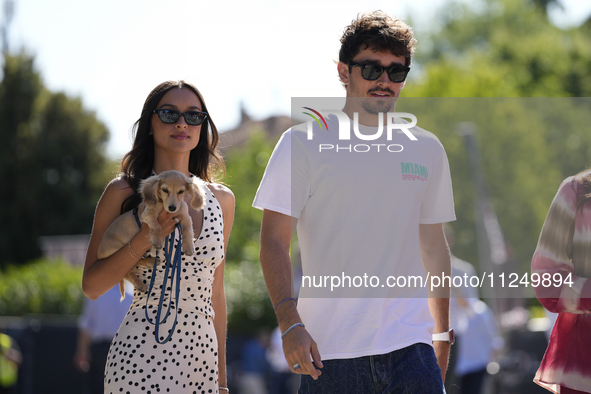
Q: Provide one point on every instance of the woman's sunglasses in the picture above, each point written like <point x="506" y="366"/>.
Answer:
<point x="170" y="116"/>
<point x="397" y="73"/>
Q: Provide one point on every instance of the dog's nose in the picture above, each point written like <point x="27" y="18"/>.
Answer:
<point x="171" y="208"/>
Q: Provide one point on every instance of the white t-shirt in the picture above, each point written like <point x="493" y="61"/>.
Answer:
<point x="359" y="205"/>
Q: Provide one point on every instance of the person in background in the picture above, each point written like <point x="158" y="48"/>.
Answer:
<point x="477" y="347"/>
<point x="477" y="339"/>
<point x="282" y="380"/>
<point x="562" y="263"/>
<point x="255" y="366"/>
<point x="97" y="326"/>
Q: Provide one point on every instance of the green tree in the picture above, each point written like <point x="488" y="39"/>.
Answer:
<point x="507" y="48"/>
<point x="53" y="166"/>
<point x="545" y="4"/>
<point x="504" y="48"/>
<point x="249" y="306"/>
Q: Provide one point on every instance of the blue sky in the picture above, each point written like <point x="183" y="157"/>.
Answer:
<point x="261" y="52"/>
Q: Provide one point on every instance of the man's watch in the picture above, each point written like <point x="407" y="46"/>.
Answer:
<point x="447" y="336"/>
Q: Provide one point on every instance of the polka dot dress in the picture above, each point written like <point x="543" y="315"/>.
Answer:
<point x="188" y="362"/>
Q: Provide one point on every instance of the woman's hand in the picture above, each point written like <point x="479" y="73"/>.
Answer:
<point x="168" y="221"/>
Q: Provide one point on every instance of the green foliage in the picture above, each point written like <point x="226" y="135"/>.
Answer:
<point x="249" y="307"/>
<point x="506" y="48"/>
<point x="45" y="286"/>
<point x="53" y="164"/>
<point x="503" y="48"/>
<point x="244" y="170"/>
<point x="248" y="301"/>
<point x="527" y="146"/>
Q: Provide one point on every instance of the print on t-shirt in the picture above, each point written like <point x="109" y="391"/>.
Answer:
<point x="413" y="172"/>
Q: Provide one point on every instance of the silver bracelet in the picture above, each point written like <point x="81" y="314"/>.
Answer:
<point x="291" y="328"/>
<point x="224" y="388"/>
<point x="132" y="251"/>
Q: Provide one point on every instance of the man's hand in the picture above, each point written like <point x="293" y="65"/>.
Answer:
<point x="442" y="349"/>
<point x="298" y="346"/>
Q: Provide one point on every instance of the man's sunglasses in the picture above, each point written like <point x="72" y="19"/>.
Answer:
<point x="397" y="73"/>
<point x="170" y="116"/>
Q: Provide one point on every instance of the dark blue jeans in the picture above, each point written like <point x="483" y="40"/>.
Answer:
<point x="411" y="370"/>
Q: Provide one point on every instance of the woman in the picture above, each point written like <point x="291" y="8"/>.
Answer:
<point x="174" y="132"/>
<point x="563" y="262"/>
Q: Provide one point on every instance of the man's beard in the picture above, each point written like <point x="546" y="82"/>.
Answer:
<point x="374" y="106"/>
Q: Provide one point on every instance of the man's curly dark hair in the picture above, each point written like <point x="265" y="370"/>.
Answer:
<point x="380" y="32"/>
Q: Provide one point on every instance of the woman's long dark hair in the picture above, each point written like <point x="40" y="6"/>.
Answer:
<point x="205" y="160"/>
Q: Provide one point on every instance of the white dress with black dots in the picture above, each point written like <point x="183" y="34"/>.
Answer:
<point x="188" y="362"/>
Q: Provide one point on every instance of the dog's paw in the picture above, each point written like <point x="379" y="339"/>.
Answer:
<point x="188" y="248"/>
<point x="141" y="286"/>
<point x="156" y="241"/>
<point x="137" y="283"/>
<point x="152" y="251"/>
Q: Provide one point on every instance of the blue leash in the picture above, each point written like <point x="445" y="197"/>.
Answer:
<point x="176" y="269"/>
<point x="174" y="266"/>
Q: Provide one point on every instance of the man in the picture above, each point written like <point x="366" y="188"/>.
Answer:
<point x="372" y="208"/>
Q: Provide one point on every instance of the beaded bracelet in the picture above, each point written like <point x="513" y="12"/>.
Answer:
<point x="281" y="302"/>
<point x="291" y="328"/>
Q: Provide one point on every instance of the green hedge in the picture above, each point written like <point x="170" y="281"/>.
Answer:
<point x="54" y="287"/>
<point x="45" y="286"/>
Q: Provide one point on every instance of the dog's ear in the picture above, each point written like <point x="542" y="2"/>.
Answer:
<point x="197" y="195"/>
<point x="149" y="190"/>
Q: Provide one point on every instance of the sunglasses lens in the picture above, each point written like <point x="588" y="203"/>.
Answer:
<point x="168" y="116"/>
<point x="397" y="75"/>
<point x="371" y="72"/>
<point x="194" y="118"/>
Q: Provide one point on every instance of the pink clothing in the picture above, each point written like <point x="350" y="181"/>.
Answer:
<point x="564" y="248"/>
<point x="566" y="390"/>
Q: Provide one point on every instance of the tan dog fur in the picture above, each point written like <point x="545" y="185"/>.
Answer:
<point x="163" y="191"/>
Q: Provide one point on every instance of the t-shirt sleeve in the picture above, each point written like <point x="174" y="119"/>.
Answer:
<point x="285" y="187"/>
<point x="438" y="204"/>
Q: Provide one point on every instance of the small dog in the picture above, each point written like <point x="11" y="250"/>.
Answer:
<point x="164" y="191"/>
